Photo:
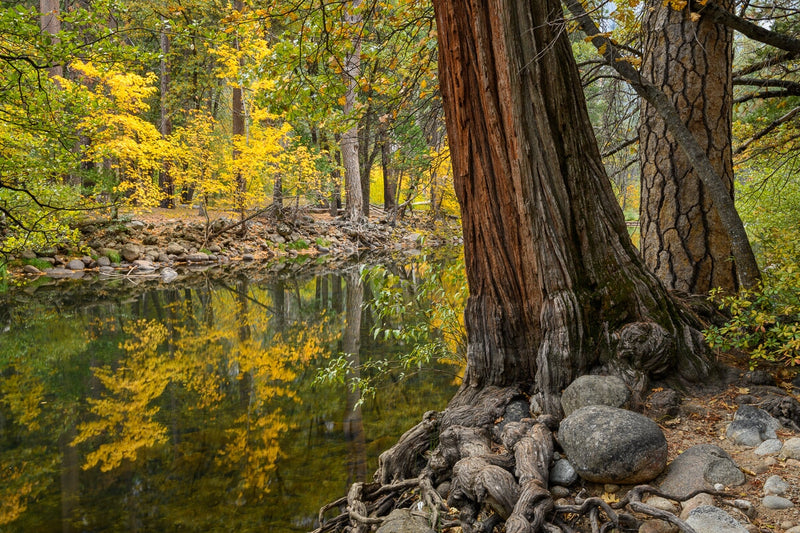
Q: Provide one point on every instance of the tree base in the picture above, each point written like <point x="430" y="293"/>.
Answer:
<point x="490" y="465"/>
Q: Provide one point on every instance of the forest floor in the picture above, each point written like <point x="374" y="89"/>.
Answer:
<point x="703" y="419"/>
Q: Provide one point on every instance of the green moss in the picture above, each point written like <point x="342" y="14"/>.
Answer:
<point x="114" y="256"/>
<point x="41" y="264"/>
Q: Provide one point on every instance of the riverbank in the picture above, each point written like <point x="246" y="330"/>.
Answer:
<point x="167" y="244"/>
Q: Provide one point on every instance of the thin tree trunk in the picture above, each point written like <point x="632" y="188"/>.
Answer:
<point x="389" y="177"/>
<point x="683" y="239"/>
<point x="238" y="130"/>
<point x="49" y="22"/>
<point x="556" y="287"/>
<point x="351" y="345"/>
<point x="165" y="181"/>
<point x="349" y="142"/>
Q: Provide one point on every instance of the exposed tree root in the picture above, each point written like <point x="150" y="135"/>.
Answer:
<point x="492" y="471"/>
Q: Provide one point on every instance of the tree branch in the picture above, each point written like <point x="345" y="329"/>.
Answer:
<point x="774" y="124"/>
<point x="745" y="27"/>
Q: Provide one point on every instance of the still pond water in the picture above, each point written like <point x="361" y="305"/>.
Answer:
<point x="193" y="406"/>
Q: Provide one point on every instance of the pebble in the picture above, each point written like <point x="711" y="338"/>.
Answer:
<point x="775" y="485"/>
<point x="795" y="529"/>
<point x="769" y="447"/>
<point x="30" y="269"/>
<point x="559" y="492"/>
<point x="693" y="503"/>
<point x="611" y="488"/>
<point x="746" y="507"/>
<point x="661" y="503"/>
<point x="76" y="264"/>
<point x="776" y="502"/>
<point x="791" y="449"/>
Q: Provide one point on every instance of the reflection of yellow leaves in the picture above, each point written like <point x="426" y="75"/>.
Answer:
<point x="23" y="394"/>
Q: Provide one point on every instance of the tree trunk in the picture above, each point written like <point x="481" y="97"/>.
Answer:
<point x="50" y="23"/>
<point x="389" y="178"/>
<point x="238" y="131"/>
<point x="556" y="287"/>
<point x="354" y="202"/>
<point x="683" y="239"/>
<point x="165" y="181"/>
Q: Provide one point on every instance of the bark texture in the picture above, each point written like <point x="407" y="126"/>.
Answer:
<point x="555" y="283"/>
<point x="354" y="202"/>
<point x="683" y="239"/>
<point x="51" y="24"/>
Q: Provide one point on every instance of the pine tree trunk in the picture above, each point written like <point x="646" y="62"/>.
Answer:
<point x="556" y="287"/>
<point x="683" y="239"/>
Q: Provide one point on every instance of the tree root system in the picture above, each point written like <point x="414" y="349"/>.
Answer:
<point x="472" y="468"/>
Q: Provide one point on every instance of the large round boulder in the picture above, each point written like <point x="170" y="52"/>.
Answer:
<point x="611" y="445"/>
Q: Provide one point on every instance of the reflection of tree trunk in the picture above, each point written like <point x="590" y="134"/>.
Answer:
<point x="351" y="341"/>
<point x="336" y="293"/>
<point x="70" y="481"/>
<point x="246" y="382"/>
<point x="279" y="305"/>
<point x="324" y="291"/>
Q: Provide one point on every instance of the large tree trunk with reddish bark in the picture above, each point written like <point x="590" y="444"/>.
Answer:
<point x="683" y="239"/>
<point x="556" y="287"/>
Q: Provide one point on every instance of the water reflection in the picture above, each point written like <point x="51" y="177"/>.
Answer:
<point x="191" y="408"/>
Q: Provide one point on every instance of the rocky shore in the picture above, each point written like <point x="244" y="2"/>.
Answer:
<point x="157" y="246"/>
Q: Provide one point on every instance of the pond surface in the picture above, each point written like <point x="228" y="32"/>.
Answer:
<point x="194" y="407"/>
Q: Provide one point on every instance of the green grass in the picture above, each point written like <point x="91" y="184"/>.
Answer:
<point x="114" y="256"/>
<point x="41" y="264"/>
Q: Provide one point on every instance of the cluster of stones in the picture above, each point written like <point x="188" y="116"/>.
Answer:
<point x="607" y="444"/>
<point x="144" y="249"/>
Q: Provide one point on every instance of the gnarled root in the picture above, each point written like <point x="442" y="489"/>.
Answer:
<point x="486" y="467"/>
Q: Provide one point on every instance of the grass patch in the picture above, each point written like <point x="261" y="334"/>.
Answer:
<point x="41" y="264"/>
<point x="114" y="256"/>
<point x="299" y="244"/>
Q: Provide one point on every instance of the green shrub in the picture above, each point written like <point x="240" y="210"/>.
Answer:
<point x="299" y="244"/>
<point x="114" y="256"/>
<point x="765" y="322"/>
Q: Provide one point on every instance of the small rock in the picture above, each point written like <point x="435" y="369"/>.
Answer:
<point x="28" y="254"/>
<point x="131" y="252"/>
<point x="106" y="270"/>
<point x="786" y="524"/>
<point x="136" y="224"/>
<point x="563" y="473"/>
<point x="611" y="488"/>
<point x="594" y="390"/>
<point x="795" y="529"/>
<point x="214" y="248"/>
<point x="769" y="447"/>
<point x="103" y="261"/>
<point x="664" y="402"/>
<point x="248" y="257"/>
<point x="751" y="426"/>
<point x="746" y="507"/>
<point x="175" y="249"/>
<point x="197" y="257"/>
<point x="30" y="269"/>
<point x="759" y="377"/>
<point x="775" y="485"/>
<point x="776" y="502"/>
<point x="144" y="265"/>
<point x="791" y="449"/>
<point x="559" y="492"/>
<point x="657" y="526"/>
<point x="661" y="503"/>
<point x="163" y="258"/>
<point x="168" y="275"/>
<point x="76" y="264"/>
<point x="710" y="519"/>
<point x="693" y="503"/>
<point x="150" y="240"/>
<point x="402" y="521"/>
<point x="719" y="487"/>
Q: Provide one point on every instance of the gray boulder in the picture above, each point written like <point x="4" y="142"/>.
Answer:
<point x="103" y="261"/>
<point x="175" y="249"/>
<point x="30" y="269"/>
<point x="76" y="264"/>
<point x="775" y="485"/>
<point x="402" y="521"/>
<point x="610" y="445"/>
<point x="197" y="257"/>
<point x="131" y="252"/>
<point x="168" y="275"/>
<point x="595" y="390"/>
<point x="751" y="426"/>
<point x="771" y="501"/>
<point x="710" y="519"/>
<point x="700" y="468"/>
<point x="769" y="447"/>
